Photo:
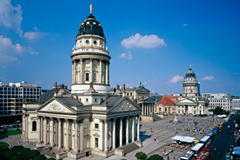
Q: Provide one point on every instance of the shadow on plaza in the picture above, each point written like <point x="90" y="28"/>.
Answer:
<point x="143" y="137"/>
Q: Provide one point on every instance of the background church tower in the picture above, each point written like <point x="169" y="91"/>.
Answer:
<point x="90" y="58"/>
<point x="191" y="87"/>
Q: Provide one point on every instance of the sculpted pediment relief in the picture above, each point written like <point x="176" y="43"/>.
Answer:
<point x="124" y="106"/>
<point x="186" y="101"/>
<point x="55" y="106"/>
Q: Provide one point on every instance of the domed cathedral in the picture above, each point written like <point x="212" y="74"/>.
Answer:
<point x="88" y="120"/>
<point x="90" y="58"/>
<point x="191" y="102"/>
<point x="191" y="87"/>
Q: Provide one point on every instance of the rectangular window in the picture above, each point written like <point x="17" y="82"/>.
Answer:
<point x="87" y="76"/>
<point x="96" y="142"/>
<point x="96" y="125"/>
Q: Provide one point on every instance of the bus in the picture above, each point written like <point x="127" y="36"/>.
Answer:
<point x="197" y="148"/>
<point x="206" y="140"/>
<point x="189" y="155"/>
<point x="204" y="154"/>
<point x="236" y="155"/>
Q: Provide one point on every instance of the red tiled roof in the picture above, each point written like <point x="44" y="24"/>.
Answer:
<point x="173" y="97"/>
<point x="166" y="101"/>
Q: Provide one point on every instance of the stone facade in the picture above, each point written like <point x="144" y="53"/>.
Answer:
<point x="191" y="103"/>
<point x="89" y="120"/>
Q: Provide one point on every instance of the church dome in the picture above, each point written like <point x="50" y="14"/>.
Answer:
<point x="190" y="73"/>
<point x="90" y="26"/>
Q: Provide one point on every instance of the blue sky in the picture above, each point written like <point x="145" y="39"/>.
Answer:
<point x="150" y="41"/>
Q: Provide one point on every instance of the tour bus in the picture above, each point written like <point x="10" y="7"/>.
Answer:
<point x="197" y="148"/>
<point x="210" y="134"/>
<point x="206" y="140"/>
<point x="189" y="155"/>
<point x="236" y="155"/>
<point x="204" y="154"/>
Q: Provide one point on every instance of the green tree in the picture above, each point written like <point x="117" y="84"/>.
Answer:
<point x="141" y="155"/>
<point x="155" y="157"/>
<point x="238" y="122"/>
<point x="51" y="159"/>
<point x="40" y="157"/>
<point x="17" y="149"/>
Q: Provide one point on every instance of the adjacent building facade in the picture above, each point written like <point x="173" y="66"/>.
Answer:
<point x="139" y="95"/>
<point x="236" y="104"/>
<point x="89" y="120"/>
<point x="222" y="100"/>
<point x="13" y="95"/>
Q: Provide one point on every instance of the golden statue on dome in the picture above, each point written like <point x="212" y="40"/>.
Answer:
<point x="91" y="8"/>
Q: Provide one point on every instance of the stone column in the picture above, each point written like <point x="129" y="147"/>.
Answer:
<point x="141" y="108"/>
<point x="45" y="131"/>
<point x="145" y="109"/>
<point x="81" y="136"/>
<point x="67" y="133"/>
<point x="127" y="130"/>
<point x="82" y="70"/>
<point x="51" y="132"/>
<point x="114" y="134"/>
<point x="138" y="128"/>
<point x="39" y="129"/>
<point x="59" y="133"/>
<point x="107" y="73"/>
<point x="23" y="127"/>
<point x="133" y="128"/>
<point x="106" y="135"/>
<point x="120" y="133"/>
<point x="100" y="71"/>
<point x="91" y="70"/>
<point x="42" y="132"/>
<point x="26" y="128"/>
<point x="74" y="72"/>
<point x="81" y="73"/>
<point x="76" y="137"/>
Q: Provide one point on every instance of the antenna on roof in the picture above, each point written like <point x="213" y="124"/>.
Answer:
<point x="190" y="66"/>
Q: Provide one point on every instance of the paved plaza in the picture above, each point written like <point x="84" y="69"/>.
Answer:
<point x="156" y="136"/>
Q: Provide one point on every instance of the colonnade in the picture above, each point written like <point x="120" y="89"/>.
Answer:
<point x="123" y="130"/>
<point x="147" y="108"/>
<point x="97" y="76"/>
<point x="51" y="132"/>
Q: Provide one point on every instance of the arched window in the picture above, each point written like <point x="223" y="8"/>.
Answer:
<point x="34" y="126"/>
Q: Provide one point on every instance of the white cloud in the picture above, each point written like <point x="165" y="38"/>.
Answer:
<point x="11" y="16"/>
<point x="10" y="52"/>
<point x="127" y="55"/>
<point x="208" y="78"/>
<point x="139" y="41"/>
<point x="7" y="46"/>
<point x="176" y="79"/>
<point x="33" y="34"/>
<point x="184" y="25"/>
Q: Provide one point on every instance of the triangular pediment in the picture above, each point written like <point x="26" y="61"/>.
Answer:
<point x="125" y="105"/>
<point x="142" y="90"/>
<point x="187" y="101"/>
<point x="56" y="107"/>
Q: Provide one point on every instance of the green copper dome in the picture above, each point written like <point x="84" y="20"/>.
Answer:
<point x="190" y="73"/>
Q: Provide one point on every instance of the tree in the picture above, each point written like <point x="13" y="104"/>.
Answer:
<point x="141" y="155"/>
<point x="40" y="157"/>
<point x="51" y="159"/>
<point x="238" y="122"/>
<point x="155" y="157"/>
